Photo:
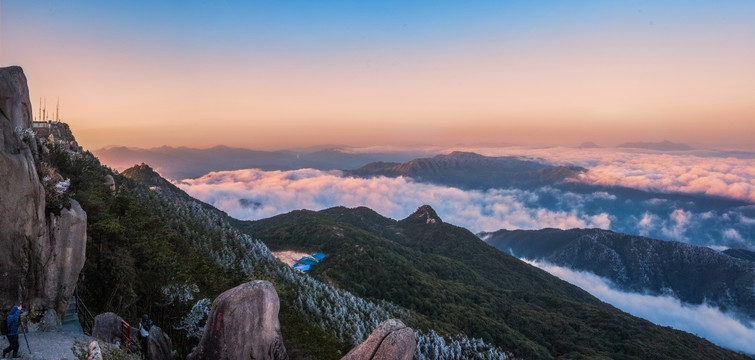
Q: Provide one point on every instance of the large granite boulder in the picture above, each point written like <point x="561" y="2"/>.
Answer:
<point x="58" y="259"/>
<point x="107" y="327"/>
<point x="42" y="255"/>
<point x="243" y="324"/>
<point x="110" y="183"/>
<point x="160" y="346"/>
<point x="390" y="340"/>
<point x="50" y="322"/>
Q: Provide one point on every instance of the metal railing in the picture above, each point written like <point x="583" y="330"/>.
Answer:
<point x="85" y="316"/>
<point x="126" y="342"/>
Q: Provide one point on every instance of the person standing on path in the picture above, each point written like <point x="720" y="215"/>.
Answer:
<point x="13" y="318"/>
<point x="144" y="327"/>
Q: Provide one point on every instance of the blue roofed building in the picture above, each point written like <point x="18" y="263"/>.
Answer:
<point x="301" y="267"/>
<point x="306" y="262"/>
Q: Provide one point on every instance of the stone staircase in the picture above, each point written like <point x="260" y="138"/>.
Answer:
<point x="71" y="318"/>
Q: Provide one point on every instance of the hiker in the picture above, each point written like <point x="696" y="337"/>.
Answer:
<point x="144" y="327"/>
<point x="13" y="319"/>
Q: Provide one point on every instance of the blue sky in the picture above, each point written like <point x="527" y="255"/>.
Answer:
<point x="536" y="72"/>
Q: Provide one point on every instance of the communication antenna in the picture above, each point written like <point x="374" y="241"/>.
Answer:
<point x="57" y="110"/>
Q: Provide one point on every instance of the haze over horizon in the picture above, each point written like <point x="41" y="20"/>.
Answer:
<point x="288" y="74"/>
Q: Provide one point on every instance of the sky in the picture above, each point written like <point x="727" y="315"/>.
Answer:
<point x="275" y="75"/>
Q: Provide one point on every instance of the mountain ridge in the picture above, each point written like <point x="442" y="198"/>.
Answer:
<point x="694" y="274"/>
<point x="184" y="162"/>
<point x="664" y="145"/>
<point x="472" y="171"/>
<point x="459" y="283"/>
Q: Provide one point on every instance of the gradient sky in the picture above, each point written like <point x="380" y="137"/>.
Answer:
<point x="278" y="74"/>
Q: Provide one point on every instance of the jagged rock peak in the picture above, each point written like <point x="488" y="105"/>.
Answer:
<point x="424" y="214"/>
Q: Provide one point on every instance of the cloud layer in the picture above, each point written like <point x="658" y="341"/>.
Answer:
<point x="702" y="320"/>
<point x="692" y="172"/>
<point x="255" y="194"/>
<point x="700" y="220"/>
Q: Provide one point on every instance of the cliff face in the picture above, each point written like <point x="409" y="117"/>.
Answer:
<point x="41" y="255"/>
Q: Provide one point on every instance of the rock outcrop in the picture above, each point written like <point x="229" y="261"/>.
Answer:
<point x="110" y="182"/>
<point x="424" y="214"/>
<point x="107" y="327"/>
<point x="390" y="340"/>
<point x="42" y="255"/>
<point x="243" y="324"/>
<point x="50" y="322"/>
<point x="58" y="259"/>
<point x="160" y="346"/>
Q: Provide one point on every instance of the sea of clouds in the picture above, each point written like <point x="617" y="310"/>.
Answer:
<point x="256" y="194"/>
<point x="698" y="198"/>
<point x="694" y="172"/>
<point x="697" y="216"/>
<point x="702" y="320"/>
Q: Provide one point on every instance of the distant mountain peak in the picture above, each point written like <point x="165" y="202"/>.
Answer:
<point x="424" y="214"/>
<point x="145" y="174"/>
<point x="664" y="145"/>
<point x="145" y="167"/>
<point x="462" y="155"/>
<point x="588" y="145"/>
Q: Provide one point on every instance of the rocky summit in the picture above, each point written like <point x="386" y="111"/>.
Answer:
<point x="425" y="214"/>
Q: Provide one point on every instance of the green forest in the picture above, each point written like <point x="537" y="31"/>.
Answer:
<point x="153" y="249"/>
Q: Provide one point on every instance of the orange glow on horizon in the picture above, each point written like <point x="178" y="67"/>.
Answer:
<point x="602" y="83"/>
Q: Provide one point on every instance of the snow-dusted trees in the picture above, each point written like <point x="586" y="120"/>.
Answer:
<point x="431" y="346"/>
<point x="349" y="318"/>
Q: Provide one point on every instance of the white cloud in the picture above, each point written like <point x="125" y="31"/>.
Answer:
<point x="276" y="192"/>
<point x="733" y="234"/>
<point x="702" y="320"/>
<point x="678" y="227"/>
<point x="647" y="223"/>
<point x="719" y="248"/>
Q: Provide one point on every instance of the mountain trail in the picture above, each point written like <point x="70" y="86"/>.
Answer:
<point x="47" y="345"/>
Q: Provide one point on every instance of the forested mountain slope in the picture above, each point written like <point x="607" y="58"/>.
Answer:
<point x="693" y="274"/>
<point x="459" y="283"/>
<point x="153" y="249"/>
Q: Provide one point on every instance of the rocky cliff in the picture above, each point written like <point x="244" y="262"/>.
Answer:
<point x="42" y="254"/>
